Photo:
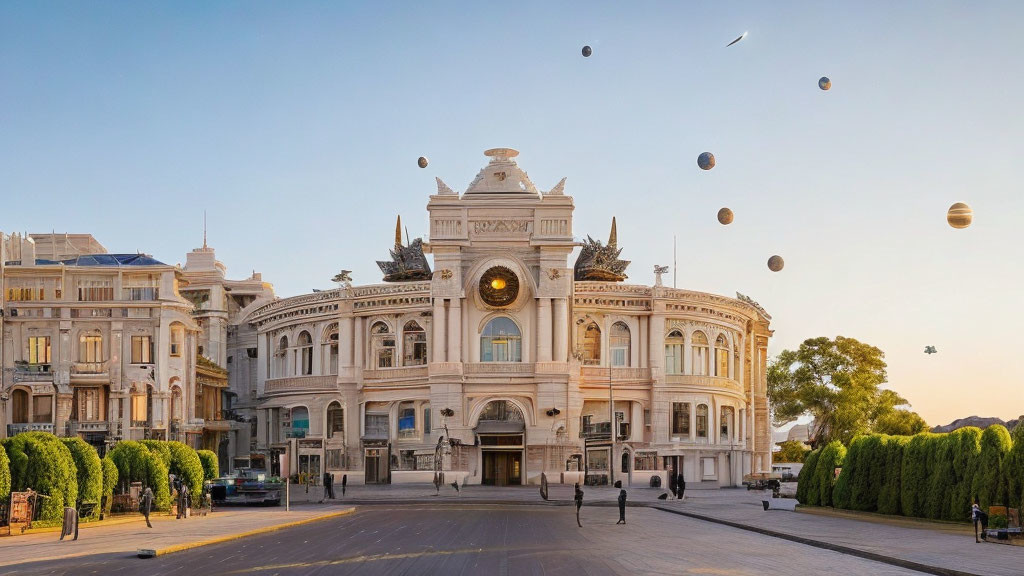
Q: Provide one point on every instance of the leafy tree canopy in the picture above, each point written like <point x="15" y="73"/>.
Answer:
<point x="791" y="451"/>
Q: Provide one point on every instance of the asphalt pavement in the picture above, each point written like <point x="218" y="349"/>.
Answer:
<point x="475" y="538"/>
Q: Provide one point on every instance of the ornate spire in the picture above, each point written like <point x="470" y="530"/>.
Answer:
<point x="601" y="263"/>
<point x="398" y="231"/>
<point x="612" y="237"/>
<point x="407" y="262"/>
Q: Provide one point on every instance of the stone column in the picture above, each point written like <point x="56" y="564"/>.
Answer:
<point x="358" y="342"/>
<point x="693" y="422"/>
<point x="561" y="353"/>
<point x="438" y="344"/>
<point x="345" y="341"/>
<point x="656" y="344"/>
<point x="688" y="353"/>
<point x="544" y="330"/>
<point x="455" y="330"/>
<point x="642" y="344"/>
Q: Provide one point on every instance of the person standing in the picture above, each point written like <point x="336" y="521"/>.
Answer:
<point x="146" y="504"/>
<point x="681" y="486"/>
<point x="622" y="507"/>
<point x="183" y="501"/>
<point x="578" y="497"/>
<point x="70" y="524"/>
<point x="344" y="483"/>
<point x="980" y="518"/>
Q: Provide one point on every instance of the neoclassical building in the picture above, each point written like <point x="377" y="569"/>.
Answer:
<point x="510" y="358"/>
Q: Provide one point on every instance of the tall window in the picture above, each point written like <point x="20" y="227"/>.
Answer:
<point x="141" y="288"/>
<point x="89" y="405"/>
<point x="305" y="363"/>
<point x="140" y="409"/>
<point x="281" y="358"/>
<point x="335" y="420"/>
<point x="702" y="421"/>
<point x="142" y="349"/>
<point x="39" y="350"/>
<point x="42" y="409"/>
<point x="90" y="348"/>
<point x="674" y="352"/>
<point x="501" y="341"/>
<point x="300" y="422"/>
<point x="406" y="420"/>
<point x="680" y="418"/>
<point x="426" y="419"/>
<point x="383" y="342"/>
<point x="699" y="346"/>
<point x="619" y="344"/>
<point x="592" y="345"/>
<point x="414" y="344"/>
<point x="725" y="423"/>
<point x="176" y="409"/>
<point x="721" y="356"/>
<point x="177" y="340"/>
<point x="329" y="350"/>
<point x="19" y="401"/>
<point x="95" y="290"/>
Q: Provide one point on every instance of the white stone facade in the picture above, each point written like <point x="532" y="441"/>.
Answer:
<point x="358" y="380"/>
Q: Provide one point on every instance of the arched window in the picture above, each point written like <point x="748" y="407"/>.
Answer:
<point x="90" y="347"/>
<point x="383" y="345"/>
<point x="19" y="400"/>
<point x="335" y="420"/>
<point x="281" y="358"/>
<point x="329" y="350"/>
<point x="300" y="422"/>
<point x="702" y="421"/>
<point x="592" y="345"/>
<point x="305" y="363"/>
<point x="414" y="344"/>
<point x="501" y="341"/>
<point x="674" y="352"/>
<point x="721" y="357"/>
<point x="699" y="346"/>
<point x="501" y="411"/>
<point x="177" y="339"/>
<point x="177" y="411"/>
<point x="619" y="345"/>
<point x="725" y="423"/>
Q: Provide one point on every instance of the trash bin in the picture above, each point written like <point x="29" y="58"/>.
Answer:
<point x="655" y="481"/>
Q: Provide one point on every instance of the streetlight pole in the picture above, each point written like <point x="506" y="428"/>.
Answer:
<point x="611" y="419"/>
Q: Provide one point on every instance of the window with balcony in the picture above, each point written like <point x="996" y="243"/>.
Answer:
<point x="592" y="345"/>
<point x="142" y="350"/>
<point x="305" y="363"/>
<point x="335" y="420"/>
<point x="300" y="422"/>
<point x="90" y="348"/>
<point x="681" y="419"/>
<point x="725" y="423"/>
<point x="619" y="344"/>
<point x="19" y="406"/>
<point x="674" y="352"/>
<point x="414" y="344"/>
<point x="406" y="420"/>
<point x="501" y="341"/>
<point x="42" y="409"/>
<point x="177" y="340"/>
<point x="383" y="345"/>
<point x="38" y="350"/>
<point x="700" y="351"/>
<point x="721" y="356"/>
<point x="95" y="290"/>
<point x="35" y="289"/>
<point x="376" y="425"/>
<point x="702" y="421"/>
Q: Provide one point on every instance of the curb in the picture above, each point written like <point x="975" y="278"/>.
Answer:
<point x="892" y="561"/>
<point x="237" y="536"/>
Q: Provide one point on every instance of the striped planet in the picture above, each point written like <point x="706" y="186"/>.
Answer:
<point x="725" y="216"/>
<point x="959" y="215"/>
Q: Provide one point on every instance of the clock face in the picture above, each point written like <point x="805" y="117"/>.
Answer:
<point x="499" y="286"/>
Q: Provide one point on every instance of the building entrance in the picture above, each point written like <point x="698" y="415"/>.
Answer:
<point x="376" y="466"/>
<point x="502" y="467"/>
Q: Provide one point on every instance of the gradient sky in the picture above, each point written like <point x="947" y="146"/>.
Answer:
<point x="297" y="126"/>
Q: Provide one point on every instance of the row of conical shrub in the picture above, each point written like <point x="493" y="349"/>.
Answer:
<point x="934" y="476"/>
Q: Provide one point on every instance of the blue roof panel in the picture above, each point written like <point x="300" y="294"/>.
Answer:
<point x="105" y="260"/>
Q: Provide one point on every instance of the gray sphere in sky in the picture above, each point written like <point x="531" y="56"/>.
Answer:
<point x="824" y="83"/>
<point x="706" y="161"/>
<point x="775" y="263"/>
<point x="587" y="51"/>
<point x="422" y="162"/>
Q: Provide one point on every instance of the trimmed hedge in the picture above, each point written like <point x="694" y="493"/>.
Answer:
<point x="160" y="448"/>
<point x="109" y="479"/>
<point x="990" y="486"/>
<point x="889" y="495"/>
<point x="39" y="460"/>
<point x="1014" y="464"/>
<point x="806" y="491"/>
<point x="211" y="469"/>
<point x="831" y="457"/>
<point x="89" y="472"/>
<point x="185" y="465"/>
<point x="136" y="463"/>
<point x="5" y="475"/>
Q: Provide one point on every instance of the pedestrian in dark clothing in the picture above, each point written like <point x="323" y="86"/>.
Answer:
<point x="622" y="507"/>
<point x="681" y="486"/>
<point x="183" y="501"/>
<point x="344" y="483"/>
<point x="146" y="504"/>
<point x="980" y="518"/>
<point x="70" y="523"/>
<point x="328" y="486"/>
<point x="578" y="497"/>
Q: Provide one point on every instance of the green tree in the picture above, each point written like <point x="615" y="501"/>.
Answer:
<point x="186" y="466"/>
<point x="211" y="469"/>
<point x="1014" y="464"/>
<point x="109" y="479"/>
<point x="40" y="461"/>
<point x="899" y="422"/>
<point x="136" y="463"/>
<point x="824" y="471"/>
<point x="889" y="494"/>
<point x="160" y="448"/>
<point x="89" y="471"/>
<point x="5" y="476"/>
<point x="791" y="451"/>
<point x="941" y="448"/>
<point x="967" y="449"/>
<point x="990" y="486"/>
<point x="842" y="494"/>
<point x="835" y="381"/>
<point x="806" y="489"/>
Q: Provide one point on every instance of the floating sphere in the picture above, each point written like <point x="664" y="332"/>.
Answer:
<point x="706" y="161"/>
<point x="959" y="215"/>
<point x="824" y="83"/>
<point x="422" y="162"/>
<point x="587" y="51"/>
<point x="775" y="263"/>
<point x="725" y="216"/>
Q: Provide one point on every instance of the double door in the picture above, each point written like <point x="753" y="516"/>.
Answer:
<point x="502" y="467"/>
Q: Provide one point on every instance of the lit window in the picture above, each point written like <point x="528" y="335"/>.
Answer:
<point x="501" y="341"/>
<point x="681" y="419"/>
<point x="39" y="350"/>
<point x="142" y="350"/>
<point x="90" y="348"/>
<point x="721" y="357"/>
<point x="95" y="290"/>
<point x="177" y="340"/>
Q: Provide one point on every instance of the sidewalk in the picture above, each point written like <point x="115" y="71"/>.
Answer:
<point x="167" y="534"/>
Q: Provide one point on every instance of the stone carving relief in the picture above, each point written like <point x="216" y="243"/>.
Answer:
<point x="502" y="226"/>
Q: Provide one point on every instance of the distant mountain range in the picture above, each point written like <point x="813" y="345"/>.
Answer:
<point x="976" y="421"/>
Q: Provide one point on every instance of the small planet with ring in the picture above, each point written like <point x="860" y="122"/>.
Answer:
<point x="706" y="161"/>
<point x="725" y="216"/>
<point x="422" y="162"/>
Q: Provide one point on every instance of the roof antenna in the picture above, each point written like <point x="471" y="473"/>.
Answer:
<point x="204" y="229"/>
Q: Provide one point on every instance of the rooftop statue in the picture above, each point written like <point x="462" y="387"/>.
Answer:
<point x="407" y="262"/>
<point x="601" y="263"/>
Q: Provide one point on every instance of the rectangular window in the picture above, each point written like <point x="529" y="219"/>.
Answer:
<point x="645" y="461"/>
<point x="647" y="417"/>
<point x="335" y="422"/>
<point x="723" y="363"/>
<point x="619" y="356"/>
<point x="426" y="419"/>
<point x="88" y="404"/>
<point x="334" y="460"/>
<point x="177" y="341"/>
<point x="142" y="350"/>
<point x="141" y="294"/>
<point x="42" y="409"/>
<point x="377" y="425"/>
<point x="39" y="350"/>
<point x="139" y="412"/>
<point x="709" y="467"/>
<point x="406" y="423"/>
<point x="95" y="290"/>
<point x="90" y="348"/>
<point x="680" y="418"/>
<point x="702" y="421"/>
<point x="597" y="459"/>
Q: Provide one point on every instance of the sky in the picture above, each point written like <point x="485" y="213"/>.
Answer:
<point x="296" y="126"/>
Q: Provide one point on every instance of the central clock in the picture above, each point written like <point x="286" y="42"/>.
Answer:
<point x="499" y="286"/>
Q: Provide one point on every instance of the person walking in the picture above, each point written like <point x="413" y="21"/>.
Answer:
<point x="622" y="507"/>
<point x="146" y="504"/>
<point x="980" y="518"/>
<point x="183" y="501"/>
<point x="344" y="483"/>
<point x="681" y="486"/>
<point x="578" y="497"/>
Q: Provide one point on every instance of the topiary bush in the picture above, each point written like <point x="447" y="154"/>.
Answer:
<point x="160" y="448"/>
<point x="967" y="448"/>
<point x="989" y="485"/>
<point x="89" y="472"/>
<point x="1014" y="464"/>
<point x="187" y="467"/>
<point x="831" y="457"/>
<point x="890" y="490"/>
<point x="42" y="462"/>
<point x="136" y="463"/>
<point x="5" y="475"/>
<point x="211" y="469"/>
<point x="109" y="479"/>
<point x="842" y="494"/>
<point x="806" y="489"/>
<point x="940" y="476"/>
<point x="914" y="476"/>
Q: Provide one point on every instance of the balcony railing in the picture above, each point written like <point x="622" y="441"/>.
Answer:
<point x="33" y="372"/>
<point x="499" y="368"/>
<point x="13" y="429"/>
<point x="76" y="426"/>
<point x="596" y="430"/>
<point x="598" y="374"/>
<point x="89" y="368"/>
<point x="395" y="373"/>
<point x="300" y="383"/>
